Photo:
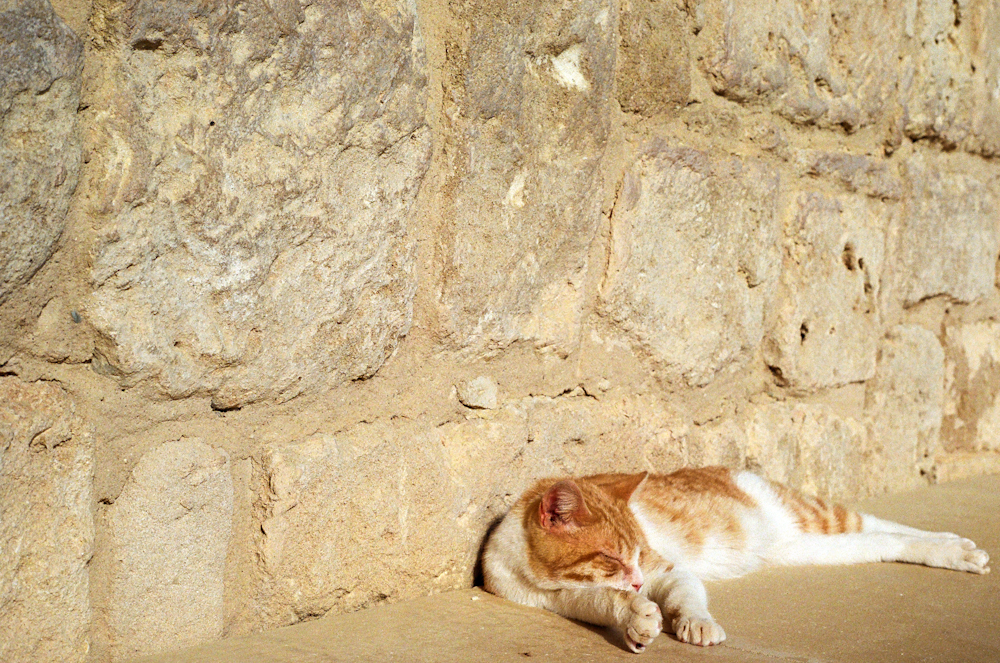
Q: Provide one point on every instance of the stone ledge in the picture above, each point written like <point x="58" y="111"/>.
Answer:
<point x="858" y="613"/>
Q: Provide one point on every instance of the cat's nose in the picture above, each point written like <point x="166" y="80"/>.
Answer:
<point x="633" y="577"/>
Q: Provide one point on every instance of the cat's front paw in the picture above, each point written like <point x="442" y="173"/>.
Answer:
<point x="698" y="631"/>
<point x="644" y="623"/>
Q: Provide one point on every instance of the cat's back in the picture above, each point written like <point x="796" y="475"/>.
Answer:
<point x="706" y="519"/>
<point x="704" y="493"/>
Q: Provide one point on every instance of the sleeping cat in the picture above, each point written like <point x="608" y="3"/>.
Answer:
<point x="616" y="549"/>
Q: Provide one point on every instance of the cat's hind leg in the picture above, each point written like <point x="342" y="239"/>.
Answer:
<point x="870" y="523"/>
<point x="940" y="549"/>
<point x="683" y="598"/>
<point x="946" y="552"/>
<point x="808" y="530"/>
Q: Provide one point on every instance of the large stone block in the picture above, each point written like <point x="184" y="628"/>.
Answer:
<point x="826" y="330"/>
<point x="830" y="62"/>
<point x="255" y="167"/>
<point x="350" y="520"/>
<point x="810" y="447"/>
<point x="694" y="254"/>
<point x="526" y="95"/>
<point x="948" y="239"/>
<point x="169" y="536"/>
<point x="972" y="387"/>
<point x="904" y="406"/>
<point x="46" y="525"/>
<point x="952" y="73"/>
<point x="39" y="143"/>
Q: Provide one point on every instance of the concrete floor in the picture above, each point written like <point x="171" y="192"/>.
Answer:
<point x="874" y="612"/>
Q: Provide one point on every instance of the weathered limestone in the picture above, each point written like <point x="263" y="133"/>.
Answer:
<point x="827" y="325"/>
<point x="650" y="233"/>
<point x="948" y="239"/>
<point x="855" y="172"/>
<point x="40" y="80"/>
<point x="833" y="62"/>
<point x="526" y="104"/>
<point x="951" y="74"/>
<point x="693" y="258"/>
<point x="904" y="407"/>
<point x="972" y="387"/>
<point x="349" y="520"/>
<point x="46" y="525"/>
<point x="653" y="64"/>
<point x="478" y="393"/>
<point x="809" y="447"/>
<point x="170" y="530"/>
<point x="256" y="167"/>
<point x="382" y="512"/>
<point x="960" y="465"/>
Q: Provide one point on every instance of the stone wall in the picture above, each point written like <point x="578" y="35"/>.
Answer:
<point x="295" y="299"/>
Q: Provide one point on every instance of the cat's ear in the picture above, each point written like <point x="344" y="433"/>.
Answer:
<point x="562" y="507"/>
<point x="626" y="487"/>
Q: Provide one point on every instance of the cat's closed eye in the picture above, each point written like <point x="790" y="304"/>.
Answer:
<point x="611" y="565"/>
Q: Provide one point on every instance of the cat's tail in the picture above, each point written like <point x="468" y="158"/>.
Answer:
<point x="817" y="516"/>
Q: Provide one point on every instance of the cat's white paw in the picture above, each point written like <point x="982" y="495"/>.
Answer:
<point x="644" y="623"/>
<point x="959" y="554"/>
<point x="698" y="631"/>
<point x="973" y="560"/>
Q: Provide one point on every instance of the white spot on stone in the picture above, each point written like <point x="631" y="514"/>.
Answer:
<point x="515" y="194"/>
<point x="479" y="393"/>
<point x="567" y="68"/>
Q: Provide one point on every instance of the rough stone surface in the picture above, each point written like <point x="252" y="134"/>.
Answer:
<point x="964" y="465"/>
<point x="904" y="408"/>
<point x="809" y="447"/>
<point x="827" y="326"/>
<point x="972" y="387"/>
<point x="46" y="525"/>
<point x="693" y="258"/>
<point x="527" y="84"/>
<point x="170" y="530"/>
<point x="949" y="237"/>
<point x="39" y="144"/>
<point x="478" y="393"/>
<point x="347" y="521"/>
<point x="856" y="172"/>
<point x="953" y="73"/>
<point x="663" y="232"/>
<point x="382" y="512"/>
<point x="833" y="62"/>
<point x="653" y="64"/>
<point x="256" y="166"/>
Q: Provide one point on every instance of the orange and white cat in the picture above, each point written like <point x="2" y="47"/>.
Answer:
<point x="623" y="550"/>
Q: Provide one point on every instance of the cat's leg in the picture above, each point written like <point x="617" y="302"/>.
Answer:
<point x="870" y="523"/>
<point x="633" y="613"/>
<point x="683" y="597"/>
<point x="946" y="552"/>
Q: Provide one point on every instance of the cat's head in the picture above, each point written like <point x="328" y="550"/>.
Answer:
<point x="581" y="533"/>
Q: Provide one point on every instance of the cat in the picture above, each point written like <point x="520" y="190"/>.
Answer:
<point x="623" y="550"/>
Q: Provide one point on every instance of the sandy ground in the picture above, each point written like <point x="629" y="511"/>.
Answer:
<point x="874" y="612"/>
